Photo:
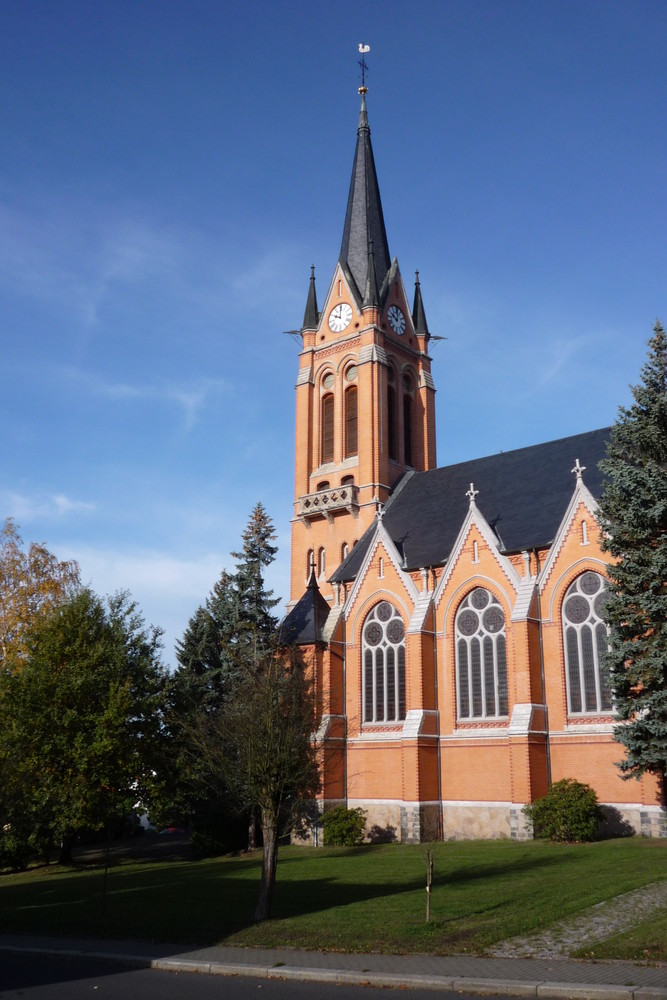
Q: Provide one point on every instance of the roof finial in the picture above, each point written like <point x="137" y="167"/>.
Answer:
<point x="578" y="469"/>
<point x="363" y="89"/>
<point x="472" y="493"/>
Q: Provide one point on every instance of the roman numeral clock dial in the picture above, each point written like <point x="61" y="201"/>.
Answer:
<point x="396" y="320"/>
<point x="340" y="317"/>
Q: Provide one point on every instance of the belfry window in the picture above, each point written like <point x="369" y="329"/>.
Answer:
<point x="383" y="659"/>
<point x="407" y="419"/>
<point x="351" y="434"/>
<point x="586" y="642"/>
<point x="481" y="665"/>
<point x="327" y="429"/>
<point x="392" y="415"/>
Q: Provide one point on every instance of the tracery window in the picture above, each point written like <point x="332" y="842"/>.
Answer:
<point x="481" y="664"/>
<point x="586" y="641"/>
<point x="383" y="658"/>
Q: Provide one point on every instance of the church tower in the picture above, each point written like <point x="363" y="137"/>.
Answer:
<point x="365" y="399"/>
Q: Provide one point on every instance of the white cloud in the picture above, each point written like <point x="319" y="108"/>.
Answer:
<point x="190" y="397"/>
<point x="26" y="509"/>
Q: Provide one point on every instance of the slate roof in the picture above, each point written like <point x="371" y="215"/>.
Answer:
<point x="523" y="495"/>
<point x="304" y="623"/>
<point x="364" y="221"/>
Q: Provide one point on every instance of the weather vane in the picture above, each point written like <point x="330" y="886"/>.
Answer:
<point x="363" y="89"/>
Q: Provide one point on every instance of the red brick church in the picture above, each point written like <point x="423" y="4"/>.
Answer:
<point x="452" y="615"/>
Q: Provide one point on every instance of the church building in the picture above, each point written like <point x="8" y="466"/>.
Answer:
<point x="452" y="616"/>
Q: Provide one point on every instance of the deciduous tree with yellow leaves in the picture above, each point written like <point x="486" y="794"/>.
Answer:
<point x="32" y="582"/>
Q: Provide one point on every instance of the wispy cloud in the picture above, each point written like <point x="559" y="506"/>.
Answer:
<point x="26" y="509"/>
<point x="190" y="397"/>
<point x="74" y="256"/>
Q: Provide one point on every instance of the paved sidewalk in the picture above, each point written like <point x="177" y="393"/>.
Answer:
<point x="529" y="977"/>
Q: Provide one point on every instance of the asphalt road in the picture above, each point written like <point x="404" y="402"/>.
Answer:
<point x="48" y="977"/>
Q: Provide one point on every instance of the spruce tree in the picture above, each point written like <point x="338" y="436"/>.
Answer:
<point x="633" y="517"/>
<point x="256" y="623"/>
<point x="225" y="638"/>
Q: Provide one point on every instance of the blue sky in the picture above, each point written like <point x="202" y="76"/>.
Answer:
<point x="168" y="173"/>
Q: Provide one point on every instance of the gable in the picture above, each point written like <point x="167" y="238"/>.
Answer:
<point x="522" y="495"/>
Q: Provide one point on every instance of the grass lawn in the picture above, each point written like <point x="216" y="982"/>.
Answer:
<point x="341" y="899"/>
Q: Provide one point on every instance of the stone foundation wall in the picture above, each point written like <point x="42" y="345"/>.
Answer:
<point x="624" y="821"/>
<point x="415" y="823"/>
<point x="479" y="821"/>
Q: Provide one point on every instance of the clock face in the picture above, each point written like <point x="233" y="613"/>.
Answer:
<point x="396" y="319"/>
<point x="340" y="317"/>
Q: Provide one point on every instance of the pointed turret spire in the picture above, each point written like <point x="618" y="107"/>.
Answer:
<point x="364" y="221"/>
<point x="418" y="314"/>
<point x="311" y="315"/>
<point x="304" y="624"/>
<point x="371" y="293"/>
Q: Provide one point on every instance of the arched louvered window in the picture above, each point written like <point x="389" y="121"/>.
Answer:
<point x="351" y="435"/>
<point x="392" y="431"/>
<point x="327" y="429"/>
<point x="481" y="665"/>
<point x="407" y="429"/>
<point x="586" y="642"/>
<point x="322" y="562"/>
<point x="383" y="659"/>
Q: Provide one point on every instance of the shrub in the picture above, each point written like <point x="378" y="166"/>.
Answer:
<point x="343" y="827"/>
<point x="568" y="812"/>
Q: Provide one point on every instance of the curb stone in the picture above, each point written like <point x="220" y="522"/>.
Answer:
<point x="497" y="986"/>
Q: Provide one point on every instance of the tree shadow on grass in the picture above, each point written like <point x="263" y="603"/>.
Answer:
<point x="206" y="902"/>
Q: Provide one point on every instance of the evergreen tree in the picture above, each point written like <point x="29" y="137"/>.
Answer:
<point x="633" y="517"/>
<point x="234" y="624"/>
<point x="234" y="628"/>
<point x="256" y="623"/>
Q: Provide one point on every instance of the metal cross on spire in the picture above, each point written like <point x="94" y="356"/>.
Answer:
<point x="363" y="89"/>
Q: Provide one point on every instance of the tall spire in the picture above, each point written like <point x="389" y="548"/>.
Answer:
<point x="364" y="222"/>
<point x="371" y="294"/>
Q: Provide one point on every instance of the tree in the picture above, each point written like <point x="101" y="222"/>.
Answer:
<point x="235" y="622"/>
<point x="232" y="629"/>
<point x="257" y="624"/>
<point x="261" y="741"/>
<point x="32" y="583"/>
<point x="81" y="719"/>
<point x="633" y="517"/>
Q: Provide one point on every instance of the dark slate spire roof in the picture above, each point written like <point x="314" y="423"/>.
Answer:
<point x="364" y="220"/>
<point x="311" y="315"/>
<point x="303" y="625"/>
<point x="418" y="314"/>
<point x="522" y="494"/>
<point x="371" y="293"/>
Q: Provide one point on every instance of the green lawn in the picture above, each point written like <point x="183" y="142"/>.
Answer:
<point x="350" y="899"/>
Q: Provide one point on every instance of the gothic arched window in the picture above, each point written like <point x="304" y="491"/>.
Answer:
<point x="408" y="400"/>
<point x="586" y="642"/>
<point x="351" y="435"/>
<point x="383" y="658"/>
<point x="481" y="665"/>
<point x="327" y="429"/>
<point x="392" y="415"/>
